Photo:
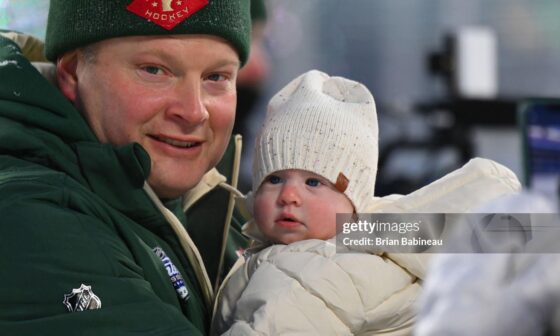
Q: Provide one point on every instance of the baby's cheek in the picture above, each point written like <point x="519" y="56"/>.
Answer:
<point x="262" y="211"/>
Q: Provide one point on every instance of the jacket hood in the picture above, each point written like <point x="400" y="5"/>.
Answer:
<point x="39" y="125"/>
<point x="33" y="101"/>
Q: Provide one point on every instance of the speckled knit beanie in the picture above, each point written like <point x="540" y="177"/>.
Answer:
<point x="325" y="125"/>
<point x="76" y="23"/>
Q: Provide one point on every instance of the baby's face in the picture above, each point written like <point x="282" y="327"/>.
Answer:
<point x="293" y="205"/>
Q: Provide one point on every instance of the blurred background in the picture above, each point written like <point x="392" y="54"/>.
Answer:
<point x="448" y="76"/>
<point x="29" y="16"/>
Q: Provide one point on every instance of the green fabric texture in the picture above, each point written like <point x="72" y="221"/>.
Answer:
<point x="77" y="23"/>
<point x="73" y="212"/>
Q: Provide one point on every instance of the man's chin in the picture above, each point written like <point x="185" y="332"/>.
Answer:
<point x="173" y="185"/>
<point x="166" y="192"/>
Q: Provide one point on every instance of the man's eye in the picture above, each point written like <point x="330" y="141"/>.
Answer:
<point x="216" y="77"/>
<point x="312" y="182"/>
<point x="273" y="179"/>
<point x="152" y="70"/>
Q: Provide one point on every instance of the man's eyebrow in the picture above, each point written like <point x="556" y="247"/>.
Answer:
<point x="235" y="63"/>
<point x="172" y="57"/>
<point x="227" y="62"/>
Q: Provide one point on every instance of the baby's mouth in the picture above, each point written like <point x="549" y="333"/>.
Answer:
<point x="288" y="220"/>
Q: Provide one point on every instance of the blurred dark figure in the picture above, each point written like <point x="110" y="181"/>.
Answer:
<point x="251" y="77"/>
<point x="250" y="80"/>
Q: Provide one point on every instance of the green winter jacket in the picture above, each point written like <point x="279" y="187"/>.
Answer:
<point x="84" y="248"/>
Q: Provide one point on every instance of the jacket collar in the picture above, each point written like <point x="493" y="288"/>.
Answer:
<point x="209" y="181"/>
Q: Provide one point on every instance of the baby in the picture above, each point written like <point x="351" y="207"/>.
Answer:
<point x="316" y="156"/>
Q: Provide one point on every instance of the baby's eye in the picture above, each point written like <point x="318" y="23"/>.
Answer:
<point x="313" y="182"/>
<point x="273" y="179"/>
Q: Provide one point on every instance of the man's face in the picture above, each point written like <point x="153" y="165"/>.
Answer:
<point x="174" y="95"/>
<point x="292" y="205"/>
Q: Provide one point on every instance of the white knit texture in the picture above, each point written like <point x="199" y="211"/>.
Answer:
<point x="325" y="125"/>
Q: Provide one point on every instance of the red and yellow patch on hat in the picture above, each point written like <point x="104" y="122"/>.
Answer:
<point x="166" y="13"/>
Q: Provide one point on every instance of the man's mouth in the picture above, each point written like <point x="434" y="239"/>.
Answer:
<point x="177" y="143"/>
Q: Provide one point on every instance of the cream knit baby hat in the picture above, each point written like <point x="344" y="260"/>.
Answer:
<point x="325" y="125"/>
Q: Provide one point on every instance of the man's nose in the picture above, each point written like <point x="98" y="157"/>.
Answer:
<point x="189" y="105"/>
<point x="289" y="195"/>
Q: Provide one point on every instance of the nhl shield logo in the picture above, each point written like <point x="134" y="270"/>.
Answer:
<point x="81" y="299"/>
<point x="166" y="13"/>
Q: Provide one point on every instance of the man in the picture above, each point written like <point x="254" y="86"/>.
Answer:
<point x="111" y="219"/>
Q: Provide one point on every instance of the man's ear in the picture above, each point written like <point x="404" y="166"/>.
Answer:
<point x="66" y="75"/>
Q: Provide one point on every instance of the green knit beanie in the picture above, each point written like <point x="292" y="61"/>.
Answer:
<point x="77" y="23"/>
